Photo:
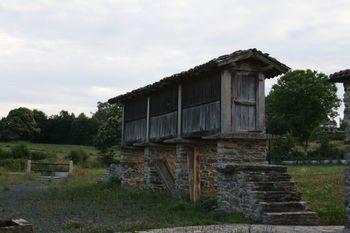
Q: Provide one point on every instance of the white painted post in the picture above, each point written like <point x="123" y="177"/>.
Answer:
<point x="29" y="166"/>
<point x="70" y="166"/>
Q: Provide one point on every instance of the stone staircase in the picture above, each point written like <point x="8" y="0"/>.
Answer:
<point x="277" y="200"/>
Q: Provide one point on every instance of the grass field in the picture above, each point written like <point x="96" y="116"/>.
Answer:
<point x="60" y="150"/>
<point x="322" y="186"/>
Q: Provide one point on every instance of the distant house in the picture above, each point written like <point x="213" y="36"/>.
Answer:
<point x="330" y="126"/>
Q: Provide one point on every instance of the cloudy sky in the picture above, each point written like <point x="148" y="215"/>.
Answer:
<point x="69" y="54"/>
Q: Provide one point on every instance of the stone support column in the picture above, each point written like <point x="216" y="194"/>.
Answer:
<point x="347" y="154"/>
<point x="151" y="177"/>
<point x="181" y="170"/>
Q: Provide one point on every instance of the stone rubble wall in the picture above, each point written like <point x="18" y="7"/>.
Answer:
<point x="132" y="167"/>
<point x="241" y="151"/>
<point x="181" y="170"/>
<point x="152" y="180"/>
<point x="208" y="160"/>
<point x="347" y="154"/>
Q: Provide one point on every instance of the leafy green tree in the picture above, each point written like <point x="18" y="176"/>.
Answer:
<point x="302" y="99"/>
<point x="84" y="130"/>
<point x="59" y="128"/>
<point x="108" y="133"/>
<point x="20" y="124"/>
<point x="42" y="120"/>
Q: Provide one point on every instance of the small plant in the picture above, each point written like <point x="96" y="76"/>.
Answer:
<point x="6" y="188"/>
<point x="38" y="155"/>
<point x="78" y="156"/>
<point x="71" y="224"/>
<point x="20" y="151"/>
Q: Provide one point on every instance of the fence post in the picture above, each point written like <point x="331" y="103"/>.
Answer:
<point x="29" y="166"/>
<point x="70" y="166"/>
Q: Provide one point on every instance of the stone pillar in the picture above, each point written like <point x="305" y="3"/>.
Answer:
<point x="151" y="177"/>
<point x="181" y="170"/>
<point x="347" y="153"/>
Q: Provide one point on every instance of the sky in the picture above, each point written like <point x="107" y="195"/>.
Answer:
<point x="70" y="54"/>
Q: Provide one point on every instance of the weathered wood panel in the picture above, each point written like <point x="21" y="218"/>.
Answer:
<point x="135" y="109"/>
<point x="201" y="120"/>
<point x="164" y="101"/>
<point x="163" y="126"/>
<point x="244" y="91"/>
<point x="135" y="131"/>
<point x="201" y="90"/>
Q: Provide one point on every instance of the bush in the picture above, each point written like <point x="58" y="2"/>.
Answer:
<point x="108" y="156"/>
<point x="38" y="155"/>
<point x="13" y="164"/>
<point x="4" y="154"/>
<point x="78" y="156"/>
<point x="20" y="151"/>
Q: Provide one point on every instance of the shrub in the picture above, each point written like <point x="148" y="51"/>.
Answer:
<point x="13" y="164"/>
<point x="38" y="155"/>
<point x="20" y="151"/>
<point x="4" y="154"/>
<point x="78" y="156"/>
<point x="108" y="156"/>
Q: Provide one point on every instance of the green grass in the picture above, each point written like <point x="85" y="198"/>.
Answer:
<point x="322" y="186"/>
<point x="9" y="179"/>
<point x="60" y="150"/>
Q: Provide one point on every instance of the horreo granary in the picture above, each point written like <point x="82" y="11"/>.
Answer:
<point x="202" y="132"/>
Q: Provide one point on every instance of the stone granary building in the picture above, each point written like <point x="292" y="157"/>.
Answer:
<point x="344" y="77"/>
<point x="202" y="131"/>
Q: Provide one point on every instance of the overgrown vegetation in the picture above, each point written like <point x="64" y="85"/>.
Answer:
<point x="322" y="186"/>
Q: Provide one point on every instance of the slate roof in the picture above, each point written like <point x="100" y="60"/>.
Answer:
<point x="340" y="76"/>
<point x="276" y="68"/>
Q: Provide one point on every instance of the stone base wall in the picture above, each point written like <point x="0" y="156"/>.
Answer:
<point x="132" y="167"/>
<point x="208" y="160"/>
<point x="241" y="151"/>
<point x="153" y="155"/>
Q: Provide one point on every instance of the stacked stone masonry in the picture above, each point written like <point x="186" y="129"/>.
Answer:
<point x="264" y="193"/>
<point x="233" y="170"/>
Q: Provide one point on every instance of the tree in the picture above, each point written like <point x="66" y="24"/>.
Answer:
<point x="20" y="124"/>
<point x="84" y="130"/>
<point x="302" y="99"/>
<point x="108" y="133"/>
<point x="42" y="121"/>
<point x="59" y="128"/>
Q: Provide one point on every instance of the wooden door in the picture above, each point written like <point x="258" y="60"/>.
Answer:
<point x="193" y="161"/>
<point x="244" y="102"/>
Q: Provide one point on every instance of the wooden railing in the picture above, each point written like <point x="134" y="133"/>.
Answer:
<point x="48" y="167"/>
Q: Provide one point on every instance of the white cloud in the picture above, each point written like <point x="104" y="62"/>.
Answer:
<point x="72" y="53"/>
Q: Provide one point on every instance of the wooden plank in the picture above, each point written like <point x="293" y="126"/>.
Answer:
<point x="166" y="176"/>
<point x="179" y="111"/>
<point x="135" y="131"/>
<point x="163" y="126"/>
<point x="123" y="126"/>
<point x="190" y="166"/>
<point x="201" y="120"/>
<point x="196" y="176"/>
<point x="147" y="119"/>
<point x="226" y="117"/>
<point x="260" y="107"/>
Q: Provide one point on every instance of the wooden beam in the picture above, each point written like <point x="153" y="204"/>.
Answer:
<point x="226" y="118"/>
<point x="123" y="126"/>
<point x="148" y="118"/>
<point x="179" y="111"/>
<point x="260" y="106"/>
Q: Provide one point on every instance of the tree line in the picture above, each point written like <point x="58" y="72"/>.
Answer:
<point x="297" y="104"/>
<point x="102" y="129"/>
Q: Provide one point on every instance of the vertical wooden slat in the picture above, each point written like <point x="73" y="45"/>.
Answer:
<point x="196" y="176"/>
<point x="226" y="105"/>
<point x="148" y="119"/>
<point x="179" y="111"/>
<point x="123" y="126"/>
<point x="194" y="179"/>
<point x="260" y="107"/>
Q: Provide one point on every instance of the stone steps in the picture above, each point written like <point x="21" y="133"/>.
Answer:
<point x="277" y="196"/>
<point x="259" y="177"/>
<point x="274" y="186"/>
<point x="306" y="218"/>
<point x="287" y="206"/>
